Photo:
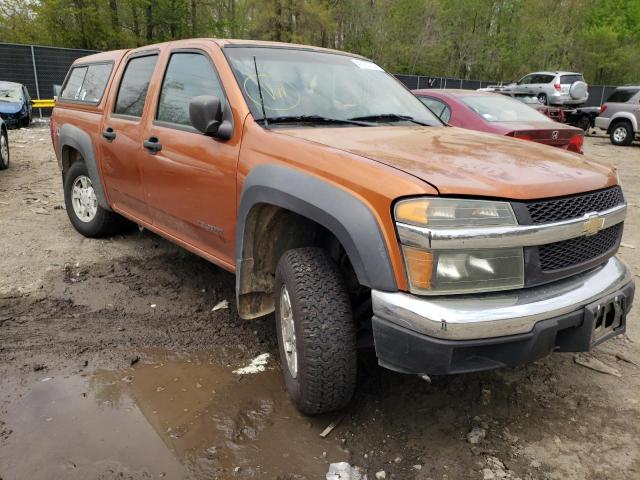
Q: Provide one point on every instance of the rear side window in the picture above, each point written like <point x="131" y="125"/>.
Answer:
<point x="622" y="96"/>
<point x="570" y="79"/>
<point x="188" y="75"/>
<point x="544" y="78"/>
<point x="74" y="83"/>
<point x="87" y="83"/>
<point x="134" y="85"/>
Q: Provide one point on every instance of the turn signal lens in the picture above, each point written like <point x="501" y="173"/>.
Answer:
<point x="412" y="211"/>
<point x="451" y="213"/>
<point x="419" y="265"/>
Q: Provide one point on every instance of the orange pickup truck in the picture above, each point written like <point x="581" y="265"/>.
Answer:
<point x="346" y="207"/>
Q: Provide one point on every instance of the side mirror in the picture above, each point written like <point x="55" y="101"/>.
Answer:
<point x="207" y="115"/>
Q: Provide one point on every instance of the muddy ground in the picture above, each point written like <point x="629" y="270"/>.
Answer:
<point x="113" y="365"/>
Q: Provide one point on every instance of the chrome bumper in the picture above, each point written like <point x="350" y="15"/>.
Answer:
<point x="466" y="317"/>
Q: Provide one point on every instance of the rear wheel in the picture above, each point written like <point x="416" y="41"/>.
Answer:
<point x="542" y="98"/>
<point x="621" y="134"/>
<point x="83" y="209"/>
<point x="316" y="331"/>
<point x="584" y="122"/>
<point x="4" y="150"/>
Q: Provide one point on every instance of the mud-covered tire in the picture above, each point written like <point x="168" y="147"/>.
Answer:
<point x="621" y="133"/>
<point x="4" y="150"/>
<point x="103" y="223"/>
<point x="325" y="333"/>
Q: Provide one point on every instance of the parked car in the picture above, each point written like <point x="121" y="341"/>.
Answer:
<point x="15" y="104"/>
<point x="552" y="88"/>
<point x="620" y="115"/>
<point x="582" y="117"/>
<point x="346" y="207"/>
<point x="495" y="113"/>
<point x="4" y="146"/>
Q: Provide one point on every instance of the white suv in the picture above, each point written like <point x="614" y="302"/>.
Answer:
<point x="552" y="88"/>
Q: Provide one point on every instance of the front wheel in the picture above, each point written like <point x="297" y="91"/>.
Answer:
<point x="83" y="209"/>
<point x="316" y="331"/>
<point x="621" y="134"/>
<point x="4" y="150"/>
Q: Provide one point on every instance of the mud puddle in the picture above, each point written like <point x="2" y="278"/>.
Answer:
<point x="166" y="417"/>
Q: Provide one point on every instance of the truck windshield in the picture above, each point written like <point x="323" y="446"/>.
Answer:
<point x="303" y="85"/>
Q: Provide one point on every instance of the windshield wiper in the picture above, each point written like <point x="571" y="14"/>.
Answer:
<point x="390" y="117"/>
<point x="317" y="119"/>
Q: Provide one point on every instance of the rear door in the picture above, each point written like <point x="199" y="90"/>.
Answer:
<point x="122" y="132"/>
<point x="540" y="83"/>
<point x="524" y="84"/>
<point x="190" y="177"/>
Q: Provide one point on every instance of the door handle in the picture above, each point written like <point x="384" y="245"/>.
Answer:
<point x="109" y="134"/>
<point x="152" y="144"/>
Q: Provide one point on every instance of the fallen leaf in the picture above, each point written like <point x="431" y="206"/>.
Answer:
<point x="595" y="364"/>
<point x="221" y="305"/>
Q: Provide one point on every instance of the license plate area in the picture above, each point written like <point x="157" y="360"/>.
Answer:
<point x="607" y="316"/>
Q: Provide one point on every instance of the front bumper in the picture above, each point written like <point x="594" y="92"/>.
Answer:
<point x="457" y="334"/>
<point x="602" y="122"/>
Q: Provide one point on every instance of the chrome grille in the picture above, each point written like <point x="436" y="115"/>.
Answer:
<point x="543" y="211"/>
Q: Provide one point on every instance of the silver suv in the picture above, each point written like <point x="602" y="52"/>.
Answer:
<point x="552" y="88"/>
<point x="620" y="115"/>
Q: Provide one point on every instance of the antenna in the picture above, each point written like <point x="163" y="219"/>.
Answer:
<point x="264" y="113"/>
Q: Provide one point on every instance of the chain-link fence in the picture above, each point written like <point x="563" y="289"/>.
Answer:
<point x="597" y="93"/>
<point x="38" y="68"/>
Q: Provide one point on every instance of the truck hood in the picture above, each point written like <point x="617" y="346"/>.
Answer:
<point x="462" y="162"/>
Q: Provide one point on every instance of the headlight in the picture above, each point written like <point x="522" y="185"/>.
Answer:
<point x="434" y="272"/>
<point x="450" y="212"/>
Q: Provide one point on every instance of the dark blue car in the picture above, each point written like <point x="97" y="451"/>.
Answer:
<point x="15" y="104"/>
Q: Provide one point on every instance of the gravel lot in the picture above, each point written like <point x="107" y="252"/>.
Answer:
<point x="114" y="364"/>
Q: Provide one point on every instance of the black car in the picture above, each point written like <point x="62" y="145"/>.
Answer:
<point x="583" y="117"/>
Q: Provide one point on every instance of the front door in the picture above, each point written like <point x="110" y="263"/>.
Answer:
<point x="122" y="131"/>
<point x="190" y="178"/>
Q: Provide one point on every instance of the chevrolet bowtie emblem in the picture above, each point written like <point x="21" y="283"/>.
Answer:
<point x="593" y="224"/>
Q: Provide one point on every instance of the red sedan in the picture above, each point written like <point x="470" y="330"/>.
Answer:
<point x="495" y="113"/>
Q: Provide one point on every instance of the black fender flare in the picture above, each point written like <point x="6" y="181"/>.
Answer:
<point x="349" y="219"/>
<point x="78" y="139"/>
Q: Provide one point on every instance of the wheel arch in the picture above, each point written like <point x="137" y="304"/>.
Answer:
<point x="282" y="208"/>
<point x="622" y="116"/>
<point x="76" y="144"/>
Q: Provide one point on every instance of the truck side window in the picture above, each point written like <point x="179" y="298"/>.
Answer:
<point x="72" y="88"/>
<point x="87" y="83"/>
<point x="134" y="86"/>
<point x="188" y="75"/>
